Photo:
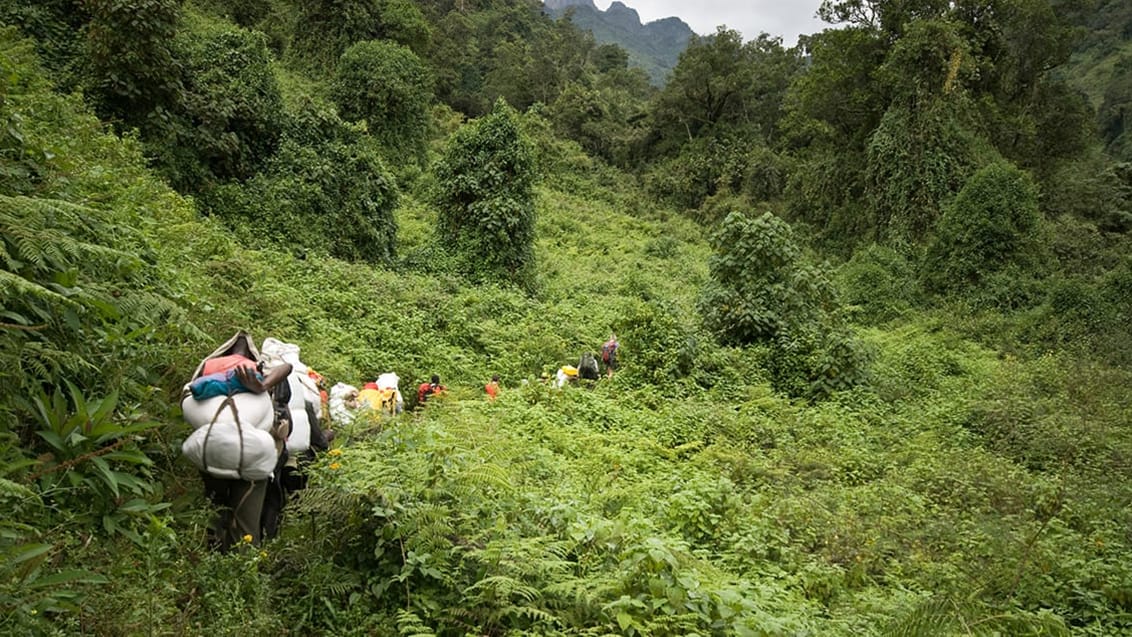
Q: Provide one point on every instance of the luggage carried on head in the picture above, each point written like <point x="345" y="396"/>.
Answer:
<point x="232" y="435"/>
<point x="587" y="367"/>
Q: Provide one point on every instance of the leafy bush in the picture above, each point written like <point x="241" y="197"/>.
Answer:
<point x="709" y="166"/>
<point x="329" y="27"/>
<point x="762" y="290"/>
<point x="231" y="117"/>
<point x="388" y="86"/>
<point x="133" y="66"/>
<point x="485" y="199"/>
<point x="761" y="287"/>
<point x="327" y="191"/>
<point x="658" y="349"/>
<point x="878" y="284"/>
<point x="992" y="224"/>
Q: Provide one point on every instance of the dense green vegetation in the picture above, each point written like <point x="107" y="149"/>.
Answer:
<point x="873" y="298"/>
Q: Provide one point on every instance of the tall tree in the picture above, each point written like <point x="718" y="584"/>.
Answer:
<point x="722" y="85"/>
<point x="388" y="86"/>
<point x="328" y="27"/>
<point x="485" y="199"/>
<point x="132" y="63"/>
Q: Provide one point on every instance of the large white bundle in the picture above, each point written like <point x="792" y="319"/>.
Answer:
<point x="300" y="438"/>
<point x="215" y="447"/>
<point x="254" y="410"/>
<point x="340" y="412"/>
<point x="275" y="352"/>
<point x="223" y="451"/>
<point x="388" y="380"/>
<point x="304" y="390"/>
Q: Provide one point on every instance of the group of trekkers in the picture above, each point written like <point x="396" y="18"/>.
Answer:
<point x="587" y="367"/>
<point x="260" y="415"/>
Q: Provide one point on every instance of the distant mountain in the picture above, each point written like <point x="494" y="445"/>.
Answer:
<point x="654" y="47"/>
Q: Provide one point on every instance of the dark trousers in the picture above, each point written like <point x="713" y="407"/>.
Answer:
<point x="239" y="505"/>
<point x="288" y="480"/>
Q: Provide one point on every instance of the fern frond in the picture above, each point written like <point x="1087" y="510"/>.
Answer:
<point x="488" y="475"/>
<point x="13" y="284"/>
<point x="410" y="625"/>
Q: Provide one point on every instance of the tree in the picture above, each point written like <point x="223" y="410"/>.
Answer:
<point x="761" y="288"/>
<point x="485" y="199"/>
<point x="721" y="85"/>
<point x="132" y="64"/>
<point x="232" y="114"/>
<point x="326" y="191"/>
<point x="329" y="27"/>
<point x="388" y="86"/>
<point x="992" y="224"/>
<point x="1115" y="114"/>
<point x="764" y="291"/>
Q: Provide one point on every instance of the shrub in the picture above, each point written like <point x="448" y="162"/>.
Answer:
<point x="992" y="224"/>
<point x="388" y="86"/>
<point x="326" y="191"/>
<point x="486" y="200"/>
<point x="132" y="63"/>
<point x="761" y="287"/>
<point x="329" y="27"/>
<point x="879" y="284"/>
<point x="762" y="290"/>
<point x="232" y="115"/>
<point x="661" y="350"/>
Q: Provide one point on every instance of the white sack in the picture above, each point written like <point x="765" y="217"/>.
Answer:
<point x="224" y="436"/>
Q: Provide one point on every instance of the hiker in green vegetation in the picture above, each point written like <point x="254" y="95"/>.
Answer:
<point x="237" y="440"/>
<point x="566" y="374"/>
<point x="609" y="354"/>
<point x="431" y="388"/>
<point x="298" y="400"/>
<point x="492" y="388"/>
<point x="587" y="367"/>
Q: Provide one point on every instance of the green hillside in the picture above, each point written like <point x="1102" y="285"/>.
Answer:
<point x="874" y="349"/>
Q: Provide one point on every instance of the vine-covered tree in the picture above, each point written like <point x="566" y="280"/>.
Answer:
<point x="722" y="84"/>
<point x="763" y="290"/>
<point x="992" y="224"/>
<point x="761" y="287"/>
<point x="327" y="191"/>
<point x="485" y="199"/>
<point x="387" y="85"/>
<point x="1115" y="114"/>
<point x="328" y="27"/>
<point x="232" y="115"/>
<point x="133" y="69"/>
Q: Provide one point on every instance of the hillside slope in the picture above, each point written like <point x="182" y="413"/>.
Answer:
<point x="963" y="490"/>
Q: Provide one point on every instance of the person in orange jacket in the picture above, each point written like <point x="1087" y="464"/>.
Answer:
<point x="492" y="388"/>
<point x="429" y="389"/>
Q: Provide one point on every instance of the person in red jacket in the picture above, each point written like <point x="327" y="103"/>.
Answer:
<point x="430" y="388"/>
<point x="492" y="388"/>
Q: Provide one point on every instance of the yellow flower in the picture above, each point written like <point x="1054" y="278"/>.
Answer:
<point x="263" y="555"/>
<point x="335" y="465"/>
<point x="248" y="538"/>
<point x="335" y="452"/>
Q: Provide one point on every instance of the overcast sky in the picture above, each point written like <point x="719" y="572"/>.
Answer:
<point x="786" y="18"/>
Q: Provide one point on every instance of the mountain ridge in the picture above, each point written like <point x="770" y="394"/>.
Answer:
<point x="654" y="47"/>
